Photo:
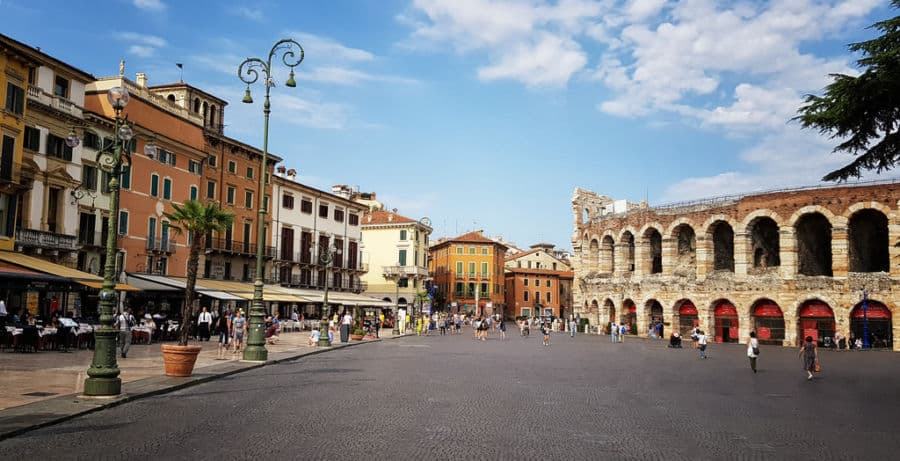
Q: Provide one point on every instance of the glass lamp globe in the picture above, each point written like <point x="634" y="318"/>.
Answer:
<point x="118" y="97"/>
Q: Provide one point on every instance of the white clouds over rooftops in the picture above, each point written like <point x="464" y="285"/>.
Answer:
<point x="737" y="68"/>
<point x="141" y="45"/>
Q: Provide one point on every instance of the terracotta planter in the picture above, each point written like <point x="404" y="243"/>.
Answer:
<point x="356" y="337"/>
<point x="179" y="360"/>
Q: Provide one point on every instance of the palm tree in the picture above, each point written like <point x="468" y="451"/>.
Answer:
<point x="198" y="220"/>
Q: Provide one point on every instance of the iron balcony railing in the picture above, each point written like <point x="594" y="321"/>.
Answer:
<point x="405" y="271"/>
<point x="161" y="245"/>
<point x="92" y="239"/>
<point x="237" y="247"/>
<point x="47" y="240"/>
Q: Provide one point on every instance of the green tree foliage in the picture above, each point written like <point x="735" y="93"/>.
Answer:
<point x="863" y="111"/>
<point x="198" y="220"/>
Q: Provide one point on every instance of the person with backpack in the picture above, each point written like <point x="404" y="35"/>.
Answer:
<point x="124" y="323"/>
<point x="753" y="350"/>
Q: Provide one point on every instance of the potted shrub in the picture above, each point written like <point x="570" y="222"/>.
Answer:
<point x="198" y="220"/>
<point x="357" y="334"/>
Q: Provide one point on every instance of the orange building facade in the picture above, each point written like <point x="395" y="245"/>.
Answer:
<point x="468" y="274"/>
<point x="194" y="161"/>
<point x="536" y="292"/>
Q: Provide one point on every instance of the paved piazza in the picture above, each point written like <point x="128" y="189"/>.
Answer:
<point x="454" y="398"/>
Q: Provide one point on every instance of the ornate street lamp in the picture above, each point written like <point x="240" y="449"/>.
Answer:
<point x="326" y="257"/>
<point x="103" y="375"/>
<point x="291" y="54"/>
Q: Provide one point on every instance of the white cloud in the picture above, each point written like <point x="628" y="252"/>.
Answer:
<point x="256" y="15"/>
<point x="345" y="76"/>
<point x="532" y="42"/>
<point x="639" y="10"/>
<point x="549" y="62"/>
<point x="150" y="5"/>
<point x="142" y="45"/>
<point x="328" y="49"/>
<point x="144" y="39"/>
<point x="142" y="51"/>
<point x="312" y="113"/>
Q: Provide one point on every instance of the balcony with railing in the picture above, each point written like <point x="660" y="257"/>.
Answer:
<point x="472" y="275"/>
<point x="30" y="238"/>
<point x="161" y="245"/>
<point x="405" y="272"/>
<point x="221" y="245"/>
<point x="92" y="239"/>
<point x="59" y="103"/>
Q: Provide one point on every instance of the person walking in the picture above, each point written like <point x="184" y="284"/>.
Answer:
<point x="701" y="344"/>
<point x="223" y="327"/>
<point x="753" y="350"/>
<point x="809" y="353"/>
<point x="346" y="321"/>
<point x="572" y="327"/>
<point x="238" y="328"/>
<point x="204" y="322"/>
<point x="502" y="330"/>
<point x="622" y="330"/>
<point x="545" y="330"/>
<point x="614" y="332"/>
<point x="124" y="323"/>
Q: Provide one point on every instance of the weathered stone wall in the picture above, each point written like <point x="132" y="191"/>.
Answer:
<point x="752" y="274"/>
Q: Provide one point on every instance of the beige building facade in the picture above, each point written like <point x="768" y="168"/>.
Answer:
<point x="788" y="264"/>
<point x="396" y="248"/>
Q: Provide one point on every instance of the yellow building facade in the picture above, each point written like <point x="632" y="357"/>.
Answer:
<point x="468" y="273"/>
<point x="396" y="250"/>
<point x="14" y="79"/>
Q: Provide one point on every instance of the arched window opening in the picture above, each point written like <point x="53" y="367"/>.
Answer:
<point x="593" y="254"/>
<point x="686" y="252"/>
<point x="764" y="243"/>
<point x="723" y="247"/>
<point x="654" y="246"/>
<point x="196" y="105"/>
<point x="868" y="236"/>
<point x="628" y="248"/>
<point x="607" y="255"/>
<point x="171" y="98"/>
<point x="814" y="245"/>
<point x="213" y="114"/>
<point x="611" y="309"/>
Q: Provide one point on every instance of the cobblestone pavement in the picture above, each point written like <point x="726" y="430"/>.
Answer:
<point x="455" y="398"/>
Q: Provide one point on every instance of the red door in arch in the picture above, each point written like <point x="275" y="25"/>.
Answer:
<point x="817" y="321"/>
<point x="687" y="318"/>
<point x="769" y="322"/>
<point x="726" y="323"/>
<point x="879" y="320"/>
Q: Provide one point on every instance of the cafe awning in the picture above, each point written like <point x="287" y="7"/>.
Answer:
<point x="119" y="286"/>
<point x="47" y="267"/>
<point x="150" y="285"/>
<point x="13" y="272"/>
<point x="220" y="295"/>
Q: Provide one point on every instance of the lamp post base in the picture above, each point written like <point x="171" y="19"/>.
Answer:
<point x="96" y="387"/>
<point x="255" y="354"/>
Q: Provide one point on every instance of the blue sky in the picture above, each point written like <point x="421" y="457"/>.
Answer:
<point x="484" y="114"/>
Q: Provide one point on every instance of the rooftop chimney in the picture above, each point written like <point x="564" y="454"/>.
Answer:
<point x="141" y="79"/>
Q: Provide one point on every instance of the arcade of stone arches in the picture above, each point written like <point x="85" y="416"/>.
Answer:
<point x="724" y="321"/>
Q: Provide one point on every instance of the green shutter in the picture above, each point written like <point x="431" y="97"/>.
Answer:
<point x="126" y="178"/>
<point x="154" y="185"/>
<point x="167" y="189"/>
